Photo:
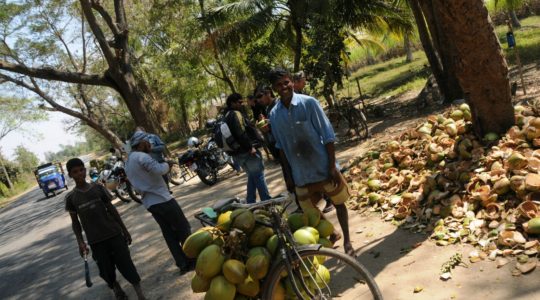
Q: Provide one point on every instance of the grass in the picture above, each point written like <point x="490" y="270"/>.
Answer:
<point x="388" y="78"/>
<point x="27" y="181"/>
<point x="527" y="40"/>
<point x="396" y="76"/>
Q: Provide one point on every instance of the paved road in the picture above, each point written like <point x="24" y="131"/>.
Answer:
<point x="38" y="257"/>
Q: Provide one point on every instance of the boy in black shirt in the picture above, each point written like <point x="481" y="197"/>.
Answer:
<point x="107" y="235"/>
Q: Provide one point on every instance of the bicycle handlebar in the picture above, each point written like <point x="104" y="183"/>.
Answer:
<point x="283" y="199"/>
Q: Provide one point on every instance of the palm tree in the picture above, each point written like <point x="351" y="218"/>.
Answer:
<point x="510" y="6"/>
<point x="285" y="22"/>
<point x="479" y="63"/>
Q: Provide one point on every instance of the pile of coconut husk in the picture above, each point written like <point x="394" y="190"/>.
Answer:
<point x="439" y="178"/>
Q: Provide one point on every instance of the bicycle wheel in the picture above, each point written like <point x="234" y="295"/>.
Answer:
<point x="360" y="121"/>
<point x="175" y="174"/>
<point x="321" y="274"/>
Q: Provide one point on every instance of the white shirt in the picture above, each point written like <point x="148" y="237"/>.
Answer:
<point x="145" y="173"/>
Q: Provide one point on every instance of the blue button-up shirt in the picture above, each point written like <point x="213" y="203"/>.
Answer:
<point x="302" y="131"/>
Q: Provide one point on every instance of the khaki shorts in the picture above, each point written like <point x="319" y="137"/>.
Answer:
<point x="314" y="192"/>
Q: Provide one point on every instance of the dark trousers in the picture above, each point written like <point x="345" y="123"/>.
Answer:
<point x="111" y="254"/>
<point x="175" y="228"/>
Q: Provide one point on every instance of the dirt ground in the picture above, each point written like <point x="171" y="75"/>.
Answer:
<point x="39" y="258"/>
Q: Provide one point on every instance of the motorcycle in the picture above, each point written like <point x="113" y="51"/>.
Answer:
<point x="114" y="178"/>
<point x="205" y="159"/>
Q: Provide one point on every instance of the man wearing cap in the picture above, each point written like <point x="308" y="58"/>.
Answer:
<point x="145" y="174"/>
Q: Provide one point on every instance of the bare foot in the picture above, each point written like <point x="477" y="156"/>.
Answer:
<point x="334" y="237"/>
<point x="349" y="250"/>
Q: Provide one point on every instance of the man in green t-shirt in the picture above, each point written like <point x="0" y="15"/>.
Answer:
<point x="90" y="208"/>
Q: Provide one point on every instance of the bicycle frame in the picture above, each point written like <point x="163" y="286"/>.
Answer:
<point x="286" y="251"/>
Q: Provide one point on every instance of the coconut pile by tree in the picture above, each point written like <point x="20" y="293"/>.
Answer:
<point x="235" y="256"/>
<point x="439" y="178"/>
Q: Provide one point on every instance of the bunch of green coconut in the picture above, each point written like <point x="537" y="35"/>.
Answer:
<point x="440" y="178"/>
<point x="234" y="257"/>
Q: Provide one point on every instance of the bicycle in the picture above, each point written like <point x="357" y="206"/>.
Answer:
<point x="297" y="269"/>
<point x="346" y="110"/>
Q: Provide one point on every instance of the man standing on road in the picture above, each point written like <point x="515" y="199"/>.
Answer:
<point x="90" y="208"/>
<point x="246" y="155"/>
<point x="145" y="174"/>
<point x="306" y="139"/>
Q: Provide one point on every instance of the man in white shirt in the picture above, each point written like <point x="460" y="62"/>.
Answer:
<point x="145" y="174"/>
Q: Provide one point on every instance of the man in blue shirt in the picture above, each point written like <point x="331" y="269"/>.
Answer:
<point x="306" y="139"/>
<point x="145" y="173"/>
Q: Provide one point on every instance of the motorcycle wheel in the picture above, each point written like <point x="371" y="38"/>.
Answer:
<point x="207" y="175"/>
<point x="122" y="194"/>
<point x="175" y="174"/>
<point x="134" y="195"/>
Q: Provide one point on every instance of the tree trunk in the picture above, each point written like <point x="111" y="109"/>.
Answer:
<point x="480" y="65"/>
<point x="184" y="116"/>
<point x="297" y="46"/>
<point x="427" y="44"/>
<point x="445" y="49"/>
<point x="10" y="185"/>
<point x="408" y="48"/>
<point x="514" y="19"/>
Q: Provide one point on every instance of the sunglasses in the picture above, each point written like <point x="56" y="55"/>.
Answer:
<point x="259" y="96"/>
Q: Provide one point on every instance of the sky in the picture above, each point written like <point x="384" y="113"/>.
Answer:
<point x="46" y="136"/>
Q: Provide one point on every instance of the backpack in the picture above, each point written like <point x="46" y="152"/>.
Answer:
<point x="223" y="136"/>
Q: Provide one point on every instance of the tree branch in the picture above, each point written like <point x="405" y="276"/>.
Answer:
<point x="53" y="74"/>
<point x="210" y="72"/>
<point x="105" y="15"/>
<point x="122" y="38"/>
<point x="98" y="33"/>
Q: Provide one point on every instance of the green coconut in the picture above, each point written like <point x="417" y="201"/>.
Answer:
<point x="326" y="243"/>
<point x="533" y="226"/>
<point x="235" y="271"/>
<point x="272" y="244"/>
<point x="325" y="228"/>
<point x="313" y="231"/>
<point x="249" y="287"/>
<point x="196" y="242"/>
<point x="297" y="220"/>
<point x="313" y="215"/>
<point x="209" y="262"/>
<point x="304" y="237"/>
<point x="199" y="284"/>
<point x="244" y="221"/>
<point x="220" y="289"/>
<point x="257" y="266"/>
<point x="259" y="251"/>
<point x="279" y="292"/>
<point x="259" y="236"/>
<point x="224" y="221"/>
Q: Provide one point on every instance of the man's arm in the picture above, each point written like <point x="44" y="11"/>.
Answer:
<point x="287" y="172"/>
<point x="158" y="146"/>
<point x="320" y="122"/>
<point x="153" y="166"/>
<point x="332" y="170"/>
<point x="77" y="229"/>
